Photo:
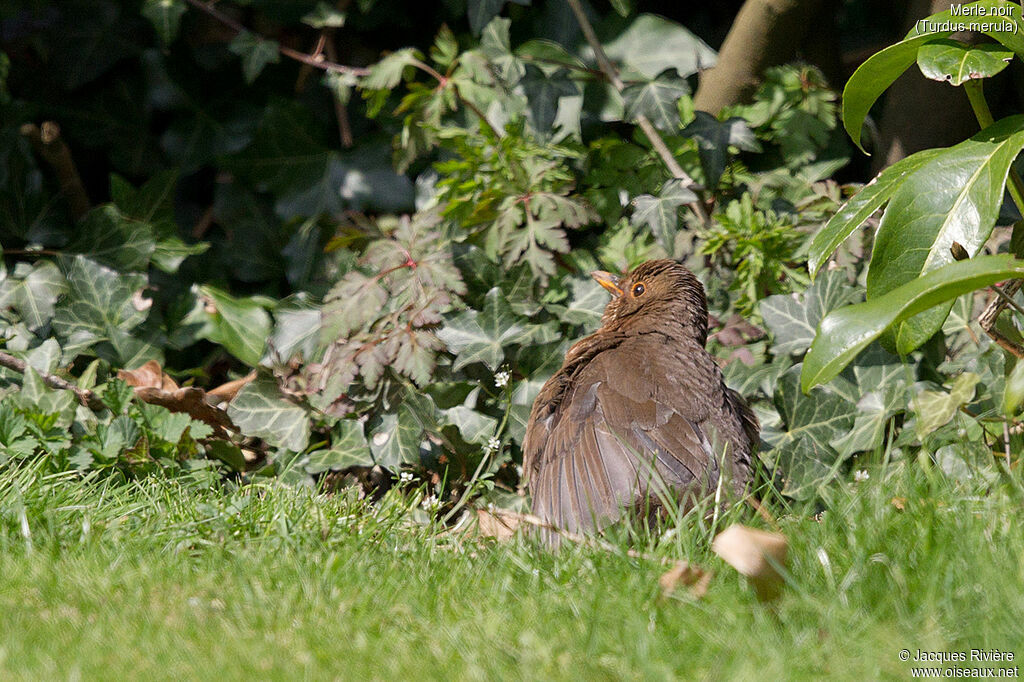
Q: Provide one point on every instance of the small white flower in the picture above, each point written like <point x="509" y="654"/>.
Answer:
<point x="492" y="445"/>
<point x="861" y="475"/>
<point x="501" y="378"/>
<point x="405" y="476"/>
<point x="430" y="503"/>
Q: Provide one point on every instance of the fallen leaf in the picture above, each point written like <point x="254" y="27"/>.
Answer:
<point x="226" y="392"/>
<point x="191" y="401"/>
<point x="683" y="573"/>
<point x="149" y="375"/>
<point x="755" y="554"/>
<point x="899" y="502"/>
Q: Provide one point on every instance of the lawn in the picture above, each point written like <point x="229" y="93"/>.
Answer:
<point x="161" y="579"/>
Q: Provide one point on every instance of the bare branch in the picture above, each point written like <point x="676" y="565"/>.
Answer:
<point x="645" y="124"/>
<point x="85" y="396"/>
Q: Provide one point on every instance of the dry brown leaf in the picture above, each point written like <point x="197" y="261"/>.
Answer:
<point x="899" y="502"/>
<point x="191" y="401"/>
<point x="501" y="528"/>
<point x="226" y="392"/>
<point x="683" y="573"/>
<point x="149" y="375"/>
<point x="754" y="553"/>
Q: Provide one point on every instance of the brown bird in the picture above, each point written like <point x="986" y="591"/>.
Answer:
<point x="639" y="409"/>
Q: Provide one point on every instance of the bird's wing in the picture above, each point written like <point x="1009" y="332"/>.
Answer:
<point x="611" y="443"/>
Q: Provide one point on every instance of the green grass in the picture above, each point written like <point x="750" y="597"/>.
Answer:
<point x="155" y="579"/>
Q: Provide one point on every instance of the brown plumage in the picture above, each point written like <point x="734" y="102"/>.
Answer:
<point x="638" y="410"/>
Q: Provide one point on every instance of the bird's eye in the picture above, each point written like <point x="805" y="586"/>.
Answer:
<point x="638" y="290"/>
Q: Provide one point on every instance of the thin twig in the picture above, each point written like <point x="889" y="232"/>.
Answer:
<point x="85" y="396"/>
<point x="340" y="112"/>
<point x="987" y="319"/>
<point x="47" y="143"/>
<point x="645" y="124"/>
<point x="316" y="61"/>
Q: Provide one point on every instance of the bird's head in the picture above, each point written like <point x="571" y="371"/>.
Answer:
<point x="658" y="292"/>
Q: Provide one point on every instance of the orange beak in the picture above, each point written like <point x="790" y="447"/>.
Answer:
<point x="608" y="281"/>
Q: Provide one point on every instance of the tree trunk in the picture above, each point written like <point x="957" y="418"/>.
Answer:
<point x="765" y="33"/>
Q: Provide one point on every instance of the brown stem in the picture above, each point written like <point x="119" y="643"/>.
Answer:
<point x="46" y="141"/>
<point x="85" y="396"/>
<point x="645" y="124"/>
<point x="316" y="61"/>
<point x="987" y="319"/>
<point x="340" y="112"/>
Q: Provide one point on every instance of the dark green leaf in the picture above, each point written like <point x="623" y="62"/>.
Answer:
<point x="955" y="196"/>
<point x="714" y="138"/>
<point x="661" y="213"/>
<point x="325" y="15"/>
<point x="165" y="15"/>
<point x="874" y="76"/>
<point x="256" y="53"/>
<point x="261" y="410"/>
<point x="656" y="99"/>
<point x="111" y="238"/>
<point x="955" y="62"/>
<point x="862" y="205"/>
<point x="843" y="333"/>
<point x="241" y="325"/>
<point x="652" y="44"/>
<point x="543" y="92"/>
<point x="481" y="336"/>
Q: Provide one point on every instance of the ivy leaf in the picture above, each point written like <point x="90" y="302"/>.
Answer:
<point x="241" y="325"/>
<point x="387" y="73"/>
<point x="474" y="426"/>
<point x="661" y="213"/>
<point x="793" y="318"/>
<point x="480" y="13"/>
<point x="811" y="424"/>
<point x="165" y="15"/>
<point x="714" y="138"/>
<point x="497" y="47"/>
<point x="152" y="203"/>
<point x="171" y="252"/>
<point x="656" y="99"/>
<point x="101" y="307"/>
<point x="324" y="15"/>
<point x="586" y="306"/>
<point x="256" y="52"/>
<point x="261" y="410"/>
<point x="33" y="294"/>
<point x="349" y="448"/>
<point x="936" y="408"/>
<point x="109" y="237"/>
<point x="543" y="93"/>
<point x="396" y="438"/>
<point x="481" y="336"/>
<point x="652" y="44"/>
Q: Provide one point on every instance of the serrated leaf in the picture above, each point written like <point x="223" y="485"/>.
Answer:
<point x="793" y="319"/>
<point x="387" y="73"/>
<point x="954" y="197"/>
<point x="165" y="15"/>
<point x="256" y="52"/>
<point x="955" y="62"/>
<point x="481" y="336"/>
<point x="497" y="48"/>
<point x="843" y="333"/>
<point x="241" y="325"/>
<point x="325" y="15"/>
<point x="656" y="99"/>
<point x="714" y="138"/>
<point x="261" y="410"/>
